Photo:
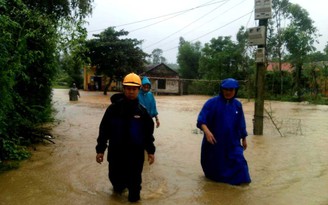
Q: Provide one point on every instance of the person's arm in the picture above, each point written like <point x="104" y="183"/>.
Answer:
<point x="100" y="157"/>
<point x="153" y="110"/>
<point x="151" y="158"/>
<point x="202" y="120"/>
<point x="208" y="134"/>
<point x="157" y="121"/>
<point x="243" y="130"/>
<point x="244" y="143"/>
<point x="149" y="143"/>
<point x="102" y="139"/>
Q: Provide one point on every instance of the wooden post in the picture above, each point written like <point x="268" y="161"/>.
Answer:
<point x="180" y="86"/>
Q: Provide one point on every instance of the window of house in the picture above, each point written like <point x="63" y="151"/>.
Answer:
<point x="161" y="84"/>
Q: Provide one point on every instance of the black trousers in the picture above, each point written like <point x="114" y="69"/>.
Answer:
<point x="125" y="168"/>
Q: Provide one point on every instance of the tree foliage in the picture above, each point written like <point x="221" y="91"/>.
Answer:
<point x="291" y="36"/>
<point x="157" y="57"/>
<point x="115" y="56"/>
<point x="275" y="42"/>
<point x="325" y="50"/>
<point x="299" y="36"/>
<point x="188" y="59"/>
<point x="73" y="48"/>
<point x="220" y="59"/>
<point x="30" y="39"/>
<point x="74" y="9"/>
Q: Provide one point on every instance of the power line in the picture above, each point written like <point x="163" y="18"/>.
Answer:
<point x="214" y="29"/>
<point x="170" y="14"/>
<point x="176" y="14"/>
<point x="187" y="25"/>
<point x="234" y="6"/>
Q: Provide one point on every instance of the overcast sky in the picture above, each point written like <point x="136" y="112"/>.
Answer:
<point x="160" y="24"/>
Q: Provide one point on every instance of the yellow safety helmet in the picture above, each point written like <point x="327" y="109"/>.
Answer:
<point x="132" y="79"/>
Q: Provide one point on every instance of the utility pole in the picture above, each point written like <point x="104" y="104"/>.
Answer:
<point x="260" y="86"/>
<point x="257" y="37"/>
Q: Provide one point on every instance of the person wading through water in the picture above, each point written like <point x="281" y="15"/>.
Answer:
<point x="223" y="122"/>
<point x="126" y="129"/>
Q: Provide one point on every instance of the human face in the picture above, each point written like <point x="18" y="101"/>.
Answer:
<point x="131" y="92"/>
<point x="228" y="93"/>
<point x="146" y="87"/>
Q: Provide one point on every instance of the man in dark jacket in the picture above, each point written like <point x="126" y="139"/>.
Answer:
<point x="127" y="130"/>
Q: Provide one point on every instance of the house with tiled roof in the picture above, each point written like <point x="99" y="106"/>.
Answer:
<point x="274" y="66"/>
<point x="163" y="79"/>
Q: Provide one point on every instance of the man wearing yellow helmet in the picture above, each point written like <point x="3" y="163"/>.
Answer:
<point x="126" y="130"/>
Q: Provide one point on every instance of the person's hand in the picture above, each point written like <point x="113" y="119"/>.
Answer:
<point x="244" y="143"/>
<point x="210" y="137"/>
<point x="151" y="158"/>
<point x="157" y="123"/>
<point x="208" y="134"/>
<point x="100" y="158"/>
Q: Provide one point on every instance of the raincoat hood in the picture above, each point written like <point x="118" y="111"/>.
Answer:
<point x="228" y="84"/>
<point x="120" y="98"/>
<point x="117" y="97"/>
<point x="145" y="81"/>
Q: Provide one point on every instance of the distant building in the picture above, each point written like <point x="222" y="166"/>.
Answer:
<point x="163" y="79"/>
<point x="94" y="82"/>
<point x="274" y="66"/>
<point x="316" y="66"/>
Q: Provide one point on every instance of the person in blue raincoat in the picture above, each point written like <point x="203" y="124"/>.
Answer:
<point x="147" y="99"/>
<point x="223" y="123"/>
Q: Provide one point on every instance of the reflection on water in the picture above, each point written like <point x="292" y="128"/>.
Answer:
<point x="292" y="169"/>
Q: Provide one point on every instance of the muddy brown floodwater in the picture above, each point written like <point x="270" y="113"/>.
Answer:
<point x="285" y="170"/>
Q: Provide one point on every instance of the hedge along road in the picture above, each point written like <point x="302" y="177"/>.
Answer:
<point x="292" y="169"/>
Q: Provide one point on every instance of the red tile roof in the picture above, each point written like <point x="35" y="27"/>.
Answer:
<point x="274" y="66"/>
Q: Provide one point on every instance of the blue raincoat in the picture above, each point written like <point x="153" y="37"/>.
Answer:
<point x="147" y="99"/>
<point x="224" y="161"/>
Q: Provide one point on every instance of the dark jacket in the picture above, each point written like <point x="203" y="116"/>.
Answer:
<point x="125" y="125"/>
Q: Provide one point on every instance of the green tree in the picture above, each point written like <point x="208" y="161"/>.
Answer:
<point x="28" y="63"/>
<point x="324" y="76"/>
<point x="188" y="59"/>
<point x="299" y="36"/>
<point x="317" y="56"/>
<point x="245" y="61"/>
<point x="275" y="43"/>
<point x="326" y="49"/>
<point x="28" y="71"/>
<point x="73" y="49"/>
<point x="157" y="56"/>
<point x="61" y="9"/>
<point x="220" y="59"/>
<point x="114" y="56"/>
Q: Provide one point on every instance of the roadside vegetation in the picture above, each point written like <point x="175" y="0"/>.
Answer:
<point x="33" y="37"/>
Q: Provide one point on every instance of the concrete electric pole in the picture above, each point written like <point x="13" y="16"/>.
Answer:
<point x="257" y="37"/>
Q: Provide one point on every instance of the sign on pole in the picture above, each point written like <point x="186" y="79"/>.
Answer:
<point x="257" y="37"/>
<point x="263" y="9"/>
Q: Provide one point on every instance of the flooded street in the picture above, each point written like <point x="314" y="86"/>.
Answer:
<point x="285" y="170"/>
